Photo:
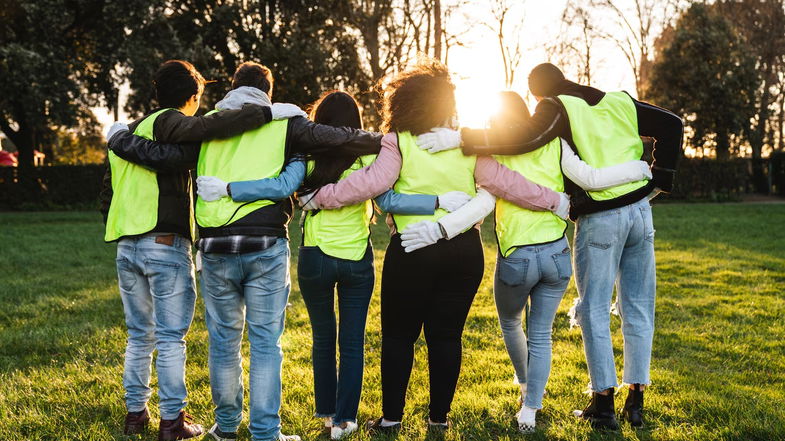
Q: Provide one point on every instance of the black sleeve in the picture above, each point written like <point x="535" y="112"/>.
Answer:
<point x="308" y="138"/>
<point x="174" y="127"/>
<point x="547" y="123"/>
<point x="157" y="156"/>
<point x="667" y="129"/>
<point x="105" y="197"/>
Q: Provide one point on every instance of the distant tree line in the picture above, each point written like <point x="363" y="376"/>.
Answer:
<point x="720" y="65"/>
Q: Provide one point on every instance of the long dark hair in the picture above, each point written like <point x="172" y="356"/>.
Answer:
<point x="512" y="111"/>
<point x="418" y="99"/>
<point x="338" y="109"/>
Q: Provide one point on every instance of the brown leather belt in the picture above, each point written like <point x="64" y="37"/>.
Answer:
<point x="166" y="239"/>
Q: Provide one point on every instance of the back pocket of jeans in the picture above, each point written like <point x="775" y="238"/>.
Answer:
<point x="512" y="271"/>
<point x="563" y="264"/>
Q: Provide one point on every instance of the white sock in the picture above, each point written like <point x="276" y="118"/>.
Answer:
<point x="436" y="424"/>
<point x="388" y="423"/>
<point x="527" y="415"/>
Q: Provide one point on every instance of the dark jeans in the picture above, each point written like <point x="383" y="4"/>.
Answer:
<point x="337" y="395"/>
<point x="431" y="288"/>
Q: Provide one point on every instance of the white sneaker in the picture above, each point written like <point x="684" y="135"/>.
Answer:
<point x="282" y="437"/>
<point x="340" y="431"/>
<point x="217" y="435"/>
<point x="526" y="419"/>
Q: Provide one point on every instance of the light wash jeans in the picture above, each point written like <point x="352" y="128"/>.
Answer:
<point x="538" y="274"/>
<point x="253" y="288"/>
<point x="157" y="287"/>
<point x="616" y="247"/>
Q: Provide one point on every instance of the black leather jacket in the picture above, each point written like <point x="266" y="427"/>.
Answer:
<point x="550" y="121"/>
<point x="303" y="137"/>
<point x="173" y="162"/>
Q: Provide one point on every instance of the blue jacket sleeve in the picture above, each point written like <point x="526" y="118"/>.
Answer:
<point x="271" y="188"/>
<point x="392" y="202"/>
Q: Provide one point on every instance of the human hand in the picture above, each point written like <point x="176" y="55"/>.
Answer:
<point x="439" y="139"/>
<point x="453" y="200"/>
<point x="286" y="111"/>
<point x="210" y="188"/>
<point x="420" y="235"/>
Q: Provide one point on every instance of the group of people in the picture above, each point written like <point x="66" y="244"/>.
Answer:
<point x="578" y="156"/>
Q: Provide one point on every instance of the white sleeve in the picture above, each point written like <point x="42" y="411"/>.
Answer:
<point x="472" y="212"/>
<point x="590" y="178"/>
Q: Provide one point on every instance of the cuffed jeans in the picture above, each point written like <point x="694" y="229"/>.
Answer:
<point x="616" y="247"/>
<point x="540" y="274"/>
<point x="157" y="287"/>
<point x="253" y="288"/>
<point x="337" y="394"/>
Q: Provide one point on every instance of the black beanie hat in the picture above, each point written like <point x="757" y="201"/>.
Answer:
<point x="544" y="80"/>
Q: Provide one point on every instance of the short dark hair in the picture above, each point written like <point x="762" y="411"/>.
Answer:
<point x="253" y="75"/>
<point x="545" y="80"/>
<point x="176" y="81"/>
<point x="418" y="99"/>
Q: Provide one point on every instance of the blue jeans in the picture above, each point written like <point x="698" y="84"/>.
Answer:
<point x="616" y="247"/>
<point x="253" y="288"/>
<point x="157" y="287"/>
<point x="337" y="394"/>
<point x="538" y="274"/>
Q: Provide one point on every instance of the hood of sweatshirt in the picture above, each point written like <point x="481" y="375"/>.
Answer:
<point x="236" y="98"/>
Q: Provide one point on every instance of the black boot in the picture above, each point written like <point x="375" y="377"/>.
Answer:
<point x="633" y="407"/>
<point x="600" y="412"/>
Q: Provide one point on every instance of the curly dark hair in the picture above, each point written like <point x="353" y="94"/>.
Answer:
<point x="418" y="99"/>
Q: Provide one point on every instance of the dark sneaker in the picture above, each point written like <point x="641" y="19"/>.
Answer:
<point x="219" y="435"/>
<point x="439" y="426"/>
<point x="136" y="422"/>
<point x="633" y="407"/>
<point x="375" y="426"/>
<point x="600" y="412"/>
<point x="181" y="427"/>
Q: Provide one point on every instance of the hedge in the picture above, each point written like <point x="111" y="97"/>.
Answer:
<point x="51" y="187"/>
<point x="78" y="186"/>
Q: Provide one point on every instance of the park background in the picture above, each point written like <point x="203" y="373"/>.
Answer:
<point x="68" y="68"/>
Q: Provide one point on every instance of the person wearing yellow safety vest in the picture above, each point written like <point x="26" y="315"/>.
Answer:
<point x="614" y="235"/>
<point x="335" y="256"/>
<point x="533" y="266"/>
<point x="430" y="289"/>
<point x="147" y="212"/>
<point x="245" y="251"/>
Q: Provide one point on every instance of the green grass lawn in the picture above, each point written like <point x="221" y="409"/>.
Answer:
<point x="718" y="365"/>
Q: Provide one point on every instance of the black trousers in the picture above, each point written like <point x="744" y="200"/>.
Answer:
<point x="431" y="288"/>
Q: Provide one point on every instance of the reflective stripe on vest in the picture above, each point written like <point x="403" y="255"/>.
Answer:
<point x="516" y="226"/>
<point x="606" y="134"/>
<point x="255" y="154"/>
<point x="134" y="207"/>
<point x="431" y="173"/>
<point x="341" y="233"/>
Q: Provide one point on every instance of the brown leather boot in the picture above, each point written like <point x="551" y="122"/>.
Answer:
<point x="136" y="422"/>
<point x="181" y="427"/>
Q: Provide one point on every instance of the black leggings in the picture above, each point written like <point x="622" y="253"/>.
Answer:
<point x="432" y="288"/>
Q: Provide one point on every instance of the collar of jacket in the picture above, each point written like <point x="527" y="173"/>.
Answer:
<point x="236" y="98"/>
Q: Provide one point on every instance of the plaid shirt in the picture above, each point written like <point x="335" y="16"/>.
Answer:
<point x="236" y="244"/>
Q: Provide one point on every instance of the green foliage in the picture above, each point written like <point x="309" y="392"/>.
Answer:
<point x="718" y="371"/>
<point x="305" y="44"/>
<point x="54" y="187"/>
<point x="705" y="72"/>
<point x="57" y="58"/>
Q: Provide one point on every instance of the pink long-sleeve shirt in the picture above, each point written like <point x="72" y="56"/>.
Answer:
<point x="380" y="176"/>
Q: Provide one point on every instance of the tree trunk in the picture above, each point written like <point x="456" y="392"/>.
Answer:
<point x="437" y="29"/>
<point x="723" y="147"/>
